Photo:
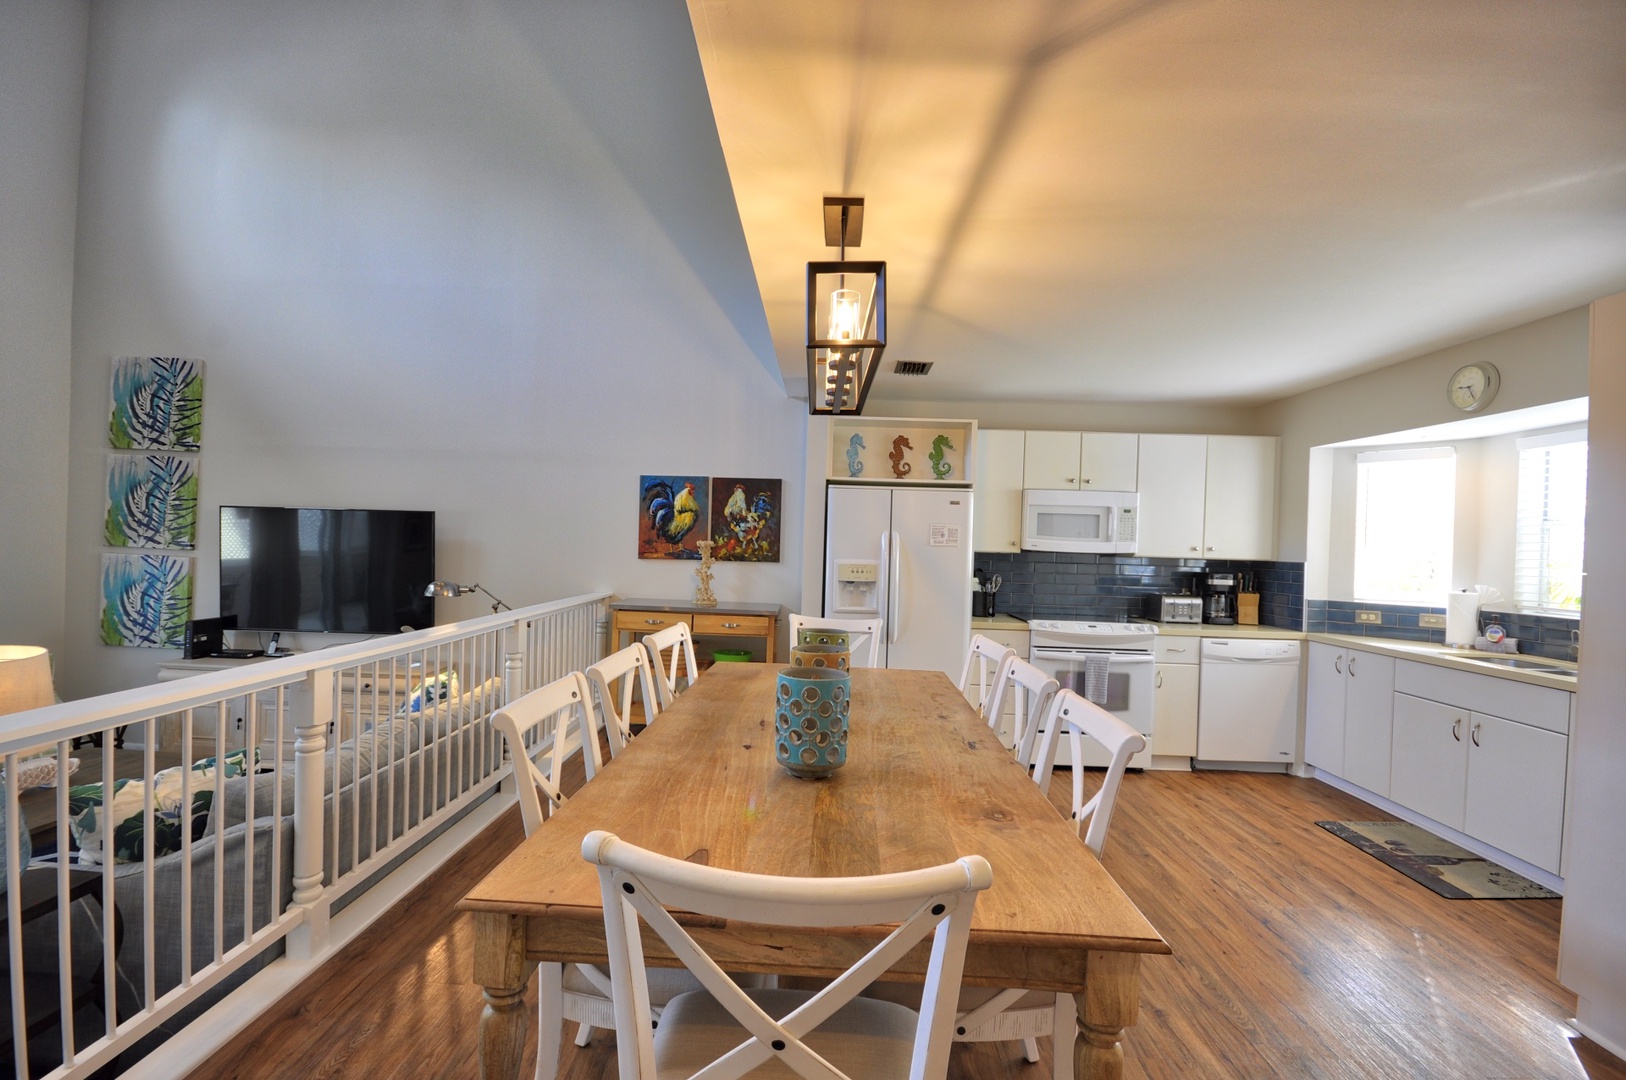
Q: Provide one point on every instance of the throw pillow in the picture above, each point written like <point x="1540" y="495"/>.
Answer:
<point x="116" y="825"/>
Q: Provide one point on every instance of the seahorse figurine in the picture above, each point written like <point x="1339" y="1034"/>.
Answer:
<point x="900" y="467"/>
<point x="940" y="468"/>
<point x="855" y="444"/>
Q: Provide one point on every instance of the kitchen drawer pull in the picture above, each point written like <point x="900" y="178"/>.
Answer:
<point x="1338" y="664"/>
<point x="1159" y="681"/>
<point x="1456" y="729"/>
<point x="1473" y="733"/>
<point x="653" y="622"/>
<point x="731" y="626"/>
<point x="1352" y="667"/>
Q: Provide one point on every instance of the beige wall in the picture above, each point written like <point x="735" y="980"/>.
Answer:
<point x="1592" y="954"/>
<point x="1540" y="362"/>
<point x="42" y="81"/>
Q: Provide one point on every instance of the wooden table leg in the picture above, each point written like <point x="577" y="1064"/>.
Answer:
<point x="1109" y="1003"/>
<point x="501" y="971"/>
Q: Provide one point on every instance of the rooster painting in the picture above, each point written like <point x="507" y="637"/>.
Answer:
<point x="670" y="507"/>
<point x="745" y="519"/>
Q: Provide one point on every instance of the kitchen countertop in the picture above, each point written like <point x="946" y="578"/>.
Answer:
<point x="1452" y="657"/>
<point x="1215" y="630"/>
<point x="998" y="622"/>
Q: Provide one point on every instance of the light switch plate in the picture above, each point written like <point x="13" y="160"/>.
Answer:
<point x="1369" y="616"/>
<point x="1431" y="622"/>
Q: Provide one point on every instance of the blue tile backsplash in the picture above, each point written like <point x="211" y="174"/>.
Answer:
<point x="1538" y="635"/>
<point x="1062" y="585"/>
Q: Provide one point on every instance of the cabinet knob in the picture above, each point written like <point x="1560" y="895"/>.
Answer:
<point x="1087" y="480"/>
<point x="1072" y="480"/>
<point x="1210" y="547"/>
<point x="1194" y="547"/>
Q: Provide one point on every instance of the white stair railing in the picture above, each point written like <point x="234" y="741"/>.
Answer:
<point x="167" y="888"/>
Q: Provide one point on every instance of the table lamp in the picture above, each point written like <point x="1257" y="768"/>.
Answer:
<point x="25" y="678"/>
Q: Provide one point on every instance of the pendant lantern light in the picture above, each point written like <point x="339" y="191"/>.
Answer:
<point x="846" y="316"/>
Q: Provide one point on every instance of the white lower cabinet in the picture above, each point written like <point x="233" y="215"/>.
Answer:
<point x="1174" y="711"/>
<point x="1516" y="776"/>
<point x="1430" y="769"/>
<point x="1348" y="715"/>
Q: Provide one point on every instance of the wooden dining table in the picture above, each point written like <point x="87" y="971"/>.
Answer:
<point x="925" y="782"/>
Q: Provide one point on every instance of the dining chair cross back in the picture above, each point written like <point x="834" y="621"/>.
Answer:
<point x="579" y="992"/>
<point x="523" y="724"/>
<point x="1013" y="1014"/>
<point x="680" y="640"/>
<point x="1032" y="690"/>
<point x="727" y="1030"/>
<point x="613" y="679"/>
<point x="988" y="657"/>
<point x="863" y="635"/>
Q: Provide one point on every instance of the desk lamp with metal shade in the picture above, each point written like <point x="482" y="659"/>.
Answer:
<point x="452" y="588"/>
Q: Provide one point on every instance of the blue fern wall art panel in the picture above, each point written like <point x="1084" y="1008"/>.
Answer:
<point x="152" y="501"/>
<point x="157" y="403"/>
<point x="146" y="600"/>
<point x="671" y="516"/>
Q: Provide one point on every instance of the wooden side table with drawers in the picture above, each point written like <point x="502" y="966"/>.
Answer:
<point x="736" y="624"/>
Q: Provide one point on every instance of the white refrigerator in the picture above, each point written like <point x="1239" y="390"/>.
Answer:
<point x="903" y="554"/>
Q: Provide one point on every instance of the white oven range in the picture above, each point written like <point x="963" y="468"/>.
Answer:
<point x="1122" y="652"/>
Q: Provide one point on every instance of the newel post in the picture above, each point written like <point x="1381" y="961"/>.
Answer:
<point x="313" y="712"/>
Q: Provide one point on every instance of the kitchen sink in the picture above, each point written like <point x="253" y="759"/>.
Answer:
<point x="1522" y="664"/>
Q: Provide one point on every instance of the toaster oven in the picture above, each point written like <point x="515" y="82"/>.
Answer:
<point x="1178" y="609"/>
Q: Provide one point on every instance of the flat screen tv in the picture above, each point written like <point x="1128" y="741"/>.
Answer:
<point x="309" y="570"/>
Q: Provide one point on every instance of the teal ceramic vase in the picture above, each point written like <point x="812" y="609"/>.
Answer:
<point x="810" y="720"/>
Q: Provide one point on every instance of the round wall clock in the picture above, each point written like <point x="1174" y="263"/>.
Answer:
<point x="1472" y="386"/>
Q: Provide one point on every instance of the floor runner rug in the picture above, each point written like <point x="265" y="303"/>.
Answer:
<point x="1454" y="872"/>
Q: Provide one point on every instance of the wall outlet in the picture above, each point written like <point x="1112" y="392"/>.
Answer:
<point x="1431" y="622"/>
<point x="1369" y="617"/>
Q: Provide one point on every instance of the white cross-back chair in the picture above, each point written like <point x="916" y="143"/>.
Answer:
<point x="863" y="635"/>
<point x="1032" y="691"/>
<point x="1007" y="1015"/>
<point x="987" y="657"/>
<point x="680" y="640"/>
<point x="613" y="680"/>
<point x="727" y="1031"/>
<point x="580" y="992"/>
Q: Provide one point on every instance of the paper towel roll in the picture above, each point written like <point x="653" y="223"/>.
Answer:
<point x="1462" y="614"/>
<point x="1461" y="618"/>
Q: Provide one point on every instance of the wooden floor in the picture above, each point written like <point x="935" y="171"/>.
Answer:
<point x="1295" y="955"/>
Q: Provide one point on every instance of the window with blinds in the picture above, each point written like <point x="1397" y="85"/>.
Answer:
<point x="1405" y="510"/>
<point x="1551" y="522"/>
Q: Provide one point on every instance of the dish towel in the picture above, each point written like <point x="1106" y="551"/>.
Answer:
<point x="1095" y="678"/>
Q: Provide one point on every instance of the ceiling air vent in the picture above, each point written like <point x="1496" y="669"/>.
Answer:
<point x="911" y="367"/>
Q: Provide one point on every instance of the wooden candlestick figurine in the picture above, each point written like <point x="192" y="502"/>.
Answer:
<point x="703" y="596"/>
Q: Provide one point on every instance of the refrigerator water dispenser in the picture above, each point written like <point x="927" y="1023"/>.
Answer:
<point x="858" y="587"/>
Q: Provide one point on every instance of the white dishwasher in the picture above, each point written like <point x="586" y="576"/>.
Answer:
<point x="1248" y="700"/>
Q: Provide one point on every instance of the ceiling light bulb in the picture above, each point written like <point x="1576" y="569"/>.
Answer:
<point x="844" y="315"/>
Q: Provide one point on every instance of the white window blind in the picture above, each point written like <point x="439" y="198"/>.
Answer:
<point x="1405" y="510"/>
<point x="1551" y="522"/>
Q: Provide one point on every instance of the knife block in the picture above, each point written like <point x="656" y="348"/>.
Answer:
<point x="1247" y="609"/>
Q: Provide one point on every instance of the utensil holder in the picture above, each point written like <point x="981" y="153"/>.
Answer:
<point x="811" y="708"/>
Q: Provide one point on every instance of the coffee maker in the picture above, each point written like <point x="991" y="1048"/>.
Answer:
<point x="1219" y="599"/>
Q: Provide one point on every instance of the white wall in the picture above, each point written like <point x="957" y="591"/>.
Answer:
<point x="1540" y="362"/>
<point x="42" y="79"/>
<point x="1592" y="953"/>
<point x="1160" y="419"/>
<point x="479" y="257"/>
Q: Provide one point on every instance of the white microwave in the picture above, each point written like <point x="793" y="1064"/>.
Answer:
<point x="1098" y="521"/>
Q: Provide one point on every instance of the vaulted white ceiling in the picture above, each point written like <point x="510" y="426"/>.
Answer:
<point x="1176" y="200"/>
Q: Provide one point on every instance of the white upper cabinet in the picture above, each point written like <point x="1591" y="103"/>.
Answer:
<point x="1172" y="483"/>
<point x="1050" y="459"/>
<point x="1087" y="460"/>
<point x="1239" y="508"/>
<point x="996" y="517"/>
